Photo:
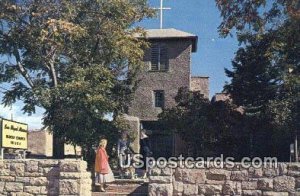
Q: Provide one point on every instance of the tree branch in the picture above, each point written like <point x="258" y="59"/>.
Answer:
<point x="21" y="68"/>
<point x="52" y="67"/>
<point x="53" y="73"/>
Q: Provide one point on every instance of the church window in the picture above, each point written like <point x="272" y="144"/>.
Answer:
<point x="159" y="58"/>
<point x="159" y="99"/>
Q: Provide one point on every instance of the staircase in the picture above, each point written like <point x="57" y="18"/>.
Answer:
<point x="124" y="187"/>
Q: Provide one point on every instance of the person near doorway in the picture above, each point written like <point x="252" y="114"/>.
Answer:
<point x="145" y="151"/>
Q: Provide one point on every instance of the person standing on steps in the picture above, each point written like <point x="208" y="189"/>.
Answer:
<point x="124" y="152"/>
<point x="101" y="164"/>
<point x="145" y="151"/>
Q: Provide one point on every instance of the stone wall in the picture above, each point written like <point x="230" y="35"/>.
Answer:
<point x="134" y="126"/>
<point x="44" y="177"/>
<point x="178" y="75"/>
<point x="281" y="181"/>
<point x="199" y="83"/>
<point x="40" y="143"/>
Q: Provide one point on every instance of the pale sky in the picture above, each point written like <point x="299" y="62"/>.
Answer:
<point x="34" y="121"/>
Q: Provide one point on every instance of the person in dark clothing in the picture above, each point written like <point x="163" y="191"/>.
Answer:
<point x="124" y="150"/>
<point x="145" y="151"/>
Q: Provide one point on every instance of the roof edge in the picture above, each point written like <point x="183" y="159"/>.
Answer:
<point x="170" y="34"/>
<point x="193" y="38"/>
<point x="200" y="77"/>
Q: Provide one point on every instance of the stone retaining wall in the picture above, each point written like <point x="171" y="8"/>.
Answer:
<point x="44" y="177"/>
<point x="281" y="181"/>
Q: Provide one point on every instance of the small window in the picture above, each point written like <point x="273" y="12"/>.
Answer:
<point x="159" y="99"/>
<point x="159" y="58"/>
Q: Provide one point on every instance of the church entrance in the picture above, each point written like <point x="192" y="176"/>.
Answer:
<point x="161" y="141"/>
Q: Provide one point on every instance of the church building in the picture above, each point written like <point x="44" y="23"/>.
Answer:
<point x="167" y="68"/>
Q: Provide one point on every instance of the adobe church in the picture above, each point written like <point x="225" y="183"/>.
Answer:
<point x="168" y="67"/>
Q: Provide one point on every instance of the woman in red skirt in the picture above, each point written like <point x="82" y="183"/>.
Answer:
<point x="101" y="164"/>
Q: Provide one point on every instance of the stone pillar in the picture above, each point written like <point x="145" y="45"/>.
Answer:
<point x="134" y="126"/>
<point x="74" y="179"/>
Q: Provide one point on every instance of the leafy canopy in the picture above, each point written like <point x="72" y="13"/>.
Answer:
<point x="209" y="129"/>
<point x="265" y="75"/>
<point x="255" y="16"/>
<point x="265" y="78"/>
<point x="76" y="59"/>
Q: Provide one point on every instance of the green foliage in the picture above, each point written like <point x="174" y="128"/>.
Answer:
<point x="210" y="128"/>
<point x="265" y="79"/>
<point x="76" y="59"/>
<point x="255" y="16"/>
<point x="265" y="75"/>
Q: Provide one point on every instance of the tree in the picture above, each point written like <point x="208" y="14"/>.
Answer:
<point x="76" y="59"/>
<point x="265" y="79"/>
<point x="259" y="16"/>
<point x="209" y="128"/>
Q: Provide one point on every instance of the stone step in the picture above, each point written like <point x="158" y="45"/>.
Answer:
<point x="124" y="187"/>
<point x="119" y="194"/>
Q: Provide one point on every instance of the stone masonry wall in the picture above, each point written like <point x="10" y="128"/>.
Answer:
<point x="40" y="143"/>
<point x="134" y="126"/>
<point x="281" y="181"/>
<point x="178" y="75"/>
<point x="44" y="177"/>
<point x="201" y="84"/>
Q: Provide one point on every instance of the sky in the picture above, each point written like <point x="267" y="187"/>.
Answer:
<point x="199" y="17"/>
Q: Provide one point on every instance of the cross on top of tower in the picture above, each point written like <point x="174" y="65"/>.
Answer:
<point x="161" y="9"/>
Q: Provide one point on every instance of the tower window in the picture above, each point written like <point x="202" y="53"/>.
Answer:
<point x="159" y="58"/>
<point x="159" y="99"/>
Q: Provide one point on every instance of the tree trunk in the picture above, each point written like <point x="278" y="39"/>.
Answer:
<point x="58" y="147"/>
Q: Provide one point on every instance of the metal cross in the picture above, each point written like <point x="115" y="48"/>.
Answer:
<point x="161" y="12"/>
